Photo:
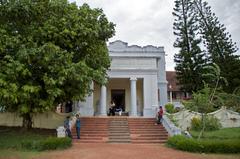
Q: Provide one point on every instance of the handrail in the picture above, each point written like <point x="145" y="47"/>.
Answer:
<point x="170" y="127"/>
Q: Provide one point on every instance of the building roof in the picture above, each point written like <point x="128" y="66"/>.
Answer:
<point x="172" y="81"/>
<point x="120" y="46"/>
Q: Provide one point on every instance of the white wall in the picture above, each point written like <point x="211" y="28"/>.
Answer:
<point x="48" y="120"/>
<point x="133" y="63"/>
<point x="150" y="97"/>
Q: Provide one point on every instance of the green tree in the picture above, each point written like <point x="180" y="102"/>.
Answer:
<point x="218" y="44"/>
<point x="50" y="52"/>
<point x="201" y="103"/>
<point x="190" y="59"/>
<point x="213" y="77"/>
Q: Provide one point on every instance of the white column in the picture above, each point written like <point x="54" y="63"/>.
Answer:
<point x="170" y="96"/>
<point x="162" y="82"/>
<point x="133" y="96"/>
<point x="103" y="100"/>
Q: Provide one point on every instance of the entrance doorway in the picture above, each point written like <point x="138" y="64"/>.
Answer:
<point x="118" y="96"/>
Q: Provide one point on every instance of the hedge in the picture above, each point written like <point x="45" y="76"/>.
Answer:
<point x="207" y="146"/>
<point x="50" y="143"/>
<point x="170" y="108"/>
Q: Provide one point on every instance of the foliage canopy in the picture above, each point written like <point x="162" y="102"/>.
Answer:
<point x="50" y="51"/>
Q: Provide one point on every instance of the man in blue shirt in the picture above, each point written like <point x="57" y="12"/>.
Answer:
<point x="78" y="126"/>
<point x="67" y="127"/>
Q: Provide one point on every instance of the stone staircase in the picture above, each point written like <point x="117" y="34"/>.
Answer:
<point x="93" y="130"/>
<point x="120" y="130"/>
<point x="144" y="130"/>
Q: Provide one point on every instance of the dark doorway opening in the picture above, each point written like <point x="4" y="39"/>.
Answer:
<point x="118" y="96"/>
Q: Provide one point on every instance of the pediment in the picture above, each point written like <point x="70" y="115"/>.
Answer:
<point x="120" y="46"/>
<point x="117" y="45"/>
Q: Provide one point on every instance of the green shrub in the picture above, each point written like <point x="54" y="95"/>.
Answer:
<point x="50" y="143"/>
<point x="207" y="146"/>
<point x="196" y="124"/>
<point x="30" y="145"/>
<point x="182" y="143"/>
<point x="170" y="108"/>
<point x="211" y="123"/>
<point x="53" y="143"/>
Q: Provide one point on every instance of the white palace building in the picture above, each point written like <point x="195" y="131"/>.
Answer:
<point x="137" y="82"/>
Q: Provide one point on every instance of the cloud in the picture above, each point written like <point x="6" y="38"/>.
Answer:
<point x="144" y="22"/>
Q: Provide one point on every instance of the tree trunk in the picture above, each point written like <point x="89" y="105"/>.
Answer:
<point x="27" y="121"/>
<point x="203" y="128"/>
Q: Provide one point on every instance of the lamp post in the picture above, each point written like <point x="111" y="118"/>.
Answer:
<point x="170" y="91"/>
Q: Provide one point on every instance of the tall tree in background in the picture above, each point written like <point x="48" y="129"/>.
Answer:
<point x="190" y="59"/>
<point x="50" y="52"/>
<point x="219" y="45"/>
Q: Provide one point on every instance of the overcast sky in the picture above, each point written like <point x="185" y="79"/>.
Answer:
<point x="150" y="22"/>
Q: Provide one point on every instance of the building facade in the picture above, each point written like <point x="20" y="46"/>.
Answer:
<point x="137" y="82"/>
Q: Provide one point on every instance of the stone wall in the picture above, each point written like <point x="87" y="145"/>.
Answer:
<point x="49" y="120"/>
<point x="226" y="117"/>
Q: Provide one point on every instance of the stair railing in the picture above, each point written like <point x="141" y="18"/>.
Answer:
<point x="170" y="127"/>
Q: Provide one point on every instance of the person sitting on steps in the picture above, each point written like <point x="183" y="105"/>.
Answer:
<point x="112" y="108"/>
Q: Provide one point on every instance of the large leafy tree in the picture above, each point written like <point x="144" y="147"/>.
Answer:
<point x="50" y="51"/>
<point x="219" y="45"/>
<point x="190" y="59"/>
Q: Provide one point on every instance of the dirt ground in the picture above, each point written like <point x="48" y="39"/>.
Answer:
<point x="127" y="151"/>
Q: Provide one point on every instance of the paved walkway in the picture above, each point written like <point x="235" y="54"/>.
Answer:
<point x="120" y="151"/>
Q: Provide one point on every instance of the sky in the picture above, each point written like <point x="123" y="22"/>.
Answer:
<point x="150" y="22"/>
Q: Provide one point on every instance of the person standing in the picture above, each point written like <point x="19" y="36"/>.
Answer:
<point x="159" y="115"/>
<point x="67" y="127"/>
<point x="78" y="126"/>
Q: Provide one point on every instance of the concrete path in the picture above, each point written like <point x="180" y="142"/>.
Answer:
<point x="121" y="151"/>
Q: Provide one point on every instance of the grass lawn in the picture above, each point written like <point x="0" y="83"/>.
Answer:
<point x="12" y="137"/>
<point x="226" y="133"/>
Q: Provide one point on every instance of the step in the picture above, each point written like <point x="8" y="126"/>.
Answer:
<point x="119" y="141"/>
<point x="93" y="135"/>
<point x="153" y="135"/>
<point x="118" y="127"/>
<point x="148" y="141"/>
<point x="149" y="138"/>
<point x="118" y="134"/>
<point x="88" y="141"/>
<point x="119" y="137"/>
<point x="89" y="138"/>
